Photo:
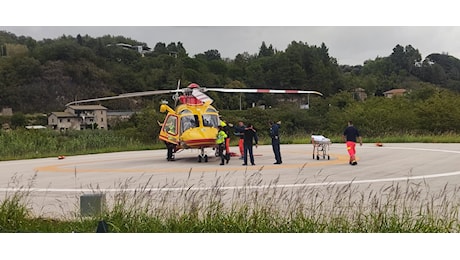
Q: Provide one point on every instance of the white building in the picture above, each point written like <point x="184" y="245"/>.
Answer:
<point x="79" y="117"/>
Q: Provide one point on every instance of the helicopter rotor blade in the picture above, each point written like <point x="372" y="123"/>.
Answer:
<point x="273" y="91"/>
<point x="126" y="95"/>
<point x="198" y="93"/>
<point x="176" y="96"/>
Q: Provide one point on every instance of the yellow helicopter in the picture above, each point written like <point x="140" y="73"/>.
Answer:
<point x="193" y="124"/>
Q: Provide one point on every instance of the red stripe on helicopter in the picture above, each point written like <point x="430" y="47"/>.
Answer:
<point x="200" y="141"/>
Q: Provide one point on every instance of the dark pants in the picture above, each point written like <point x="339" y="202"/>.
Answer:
<point x="170" y="147"/>
<point x="221" y="148"/>
<point x="248" y="149"/>
<point x="276" y="149"/>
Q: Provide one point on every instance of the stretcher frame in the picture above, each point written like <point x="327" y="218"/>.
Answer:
<point x="320" y="146"/>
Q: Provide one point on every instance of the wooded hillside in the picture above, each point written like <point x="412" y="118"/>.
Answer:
<point x="43" y="76"/>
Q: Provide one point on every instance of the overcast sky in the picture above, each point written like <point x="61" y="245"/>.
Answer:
<point x="340" y="28"/>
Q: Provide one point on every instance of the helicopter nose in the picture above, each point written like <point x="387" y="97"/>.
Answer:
<point x="201" y="132"/>
<point x="200" y="136"/>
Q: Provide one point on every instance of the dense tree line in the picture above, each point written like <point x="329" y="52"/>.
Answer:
<point x="42" y="76"/>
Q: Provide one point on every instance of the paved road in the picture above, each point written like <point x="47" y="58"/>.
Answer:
<point x="55" y="185"/>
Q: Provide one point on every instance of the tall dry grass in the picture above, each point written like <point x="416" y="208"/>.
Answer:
<point x="255" y="206"/>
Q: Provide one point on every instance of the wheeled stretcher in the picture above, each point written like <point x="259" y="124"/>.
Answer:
<point x="320" y="146"/>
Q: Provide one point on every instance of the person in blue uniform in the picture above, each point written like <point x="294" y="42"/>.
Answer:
<point x="250" y="139"/>
<point x="275" y="135"/>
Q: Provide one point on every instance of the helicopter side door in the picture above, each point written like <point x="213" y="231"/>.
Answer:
<point x="170" y="129"/>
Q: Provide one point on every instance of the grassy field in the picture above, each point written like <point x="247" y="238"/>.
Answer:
<point x="25" y="144"/>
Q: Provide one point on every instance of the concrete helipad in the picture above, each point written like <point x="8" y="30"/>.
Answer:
<point x="55" y="185"/>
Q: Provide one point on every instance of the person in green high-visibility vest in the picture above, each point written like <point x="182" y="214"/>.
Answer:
<point x="220" y="141"/>
<point x="226" y="128"/>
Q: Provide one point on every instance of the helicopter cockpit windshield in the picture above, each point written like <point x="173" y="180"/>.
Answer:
<point x="211" y="118"/>
<point x="189" y="121"/>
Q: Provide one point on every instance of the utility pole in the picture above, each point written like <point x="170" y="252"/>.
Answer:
<point x="240" y="101"/>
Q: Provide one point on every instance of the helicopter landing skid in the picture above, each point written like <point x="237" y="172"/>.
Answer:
<point x="202" y="156"/>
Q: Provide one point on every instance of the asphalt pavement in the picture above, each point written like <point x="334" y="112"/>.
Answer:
<point x="56" y="185"/>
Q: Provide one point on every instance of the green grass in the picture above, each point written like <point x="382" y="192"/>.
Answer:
<point x="26" y="144"/>
<point x="402" y="138"/>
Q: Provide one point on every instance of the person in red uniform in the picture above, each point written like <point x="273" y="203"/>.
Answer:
<point x="350" y="137"/>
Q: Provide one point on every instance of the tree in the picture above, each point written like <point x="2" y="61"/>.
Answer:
<point x="412" y="56"/>
<point x="160" y="48"/>
<point x="266" y="52"/>
<point x="439" y="113"/>
<point x="79" y="40"/>
<point x="18" y="120"/>
<point x="398" y="57"/>
<point x="211" y="55"/>
<point x="404" y="58"/>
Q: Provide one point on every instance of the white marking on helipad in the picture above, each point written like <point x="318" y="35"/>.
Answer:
<point x="332" y="183"/>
